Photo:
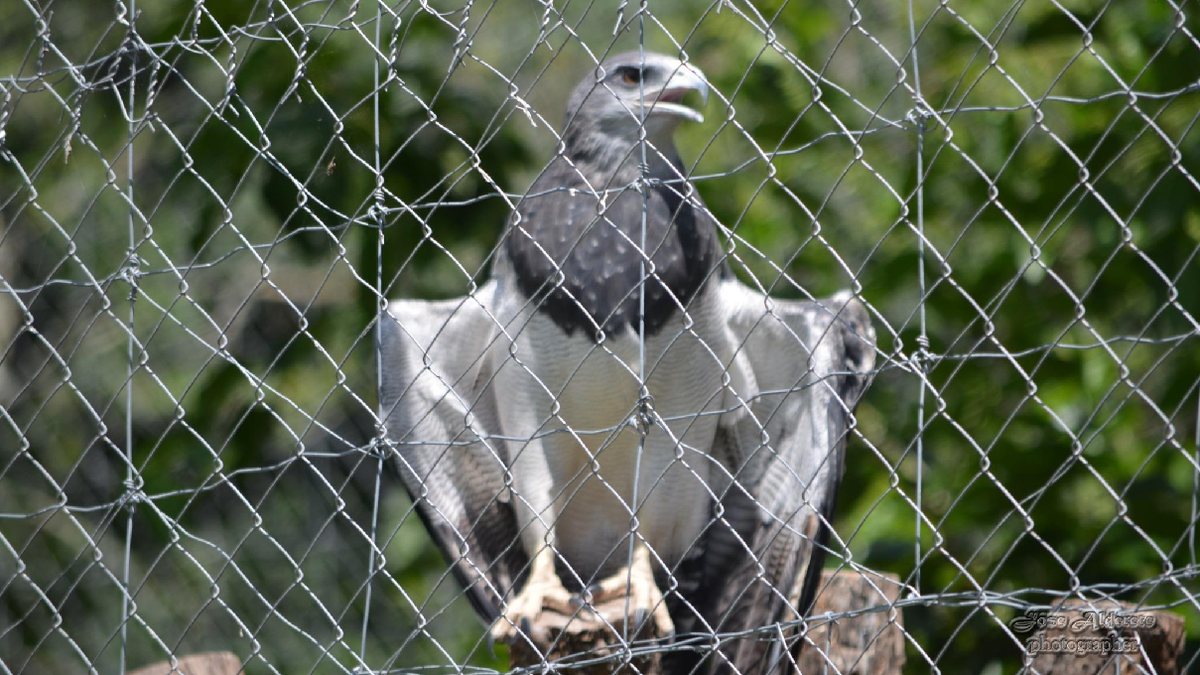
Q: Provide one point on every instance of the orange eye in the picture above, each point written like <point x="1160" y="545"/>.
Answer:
<point x="631" y="76"/>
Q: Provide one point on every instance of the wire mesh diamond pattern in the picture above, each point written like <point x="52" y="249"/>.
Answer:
<point x="206" y="208"/>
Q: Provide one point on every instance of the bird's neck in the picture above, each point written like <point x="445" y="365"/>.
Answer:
<point x="624" y="154"/>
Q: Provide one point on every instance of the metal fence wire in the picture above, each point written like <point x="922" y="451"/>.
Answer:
<point x="207" y="206"/>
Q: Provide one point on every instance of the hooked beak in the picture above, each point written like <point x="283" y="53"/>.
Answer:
<point x="686" y="79"/>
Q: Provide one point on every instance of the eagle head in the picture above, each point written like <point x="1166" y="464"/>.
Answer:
<point x="635" y="89"/>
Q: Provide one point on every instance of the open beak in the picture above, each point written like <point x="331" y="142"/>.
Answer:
<point x="687" y="79"/>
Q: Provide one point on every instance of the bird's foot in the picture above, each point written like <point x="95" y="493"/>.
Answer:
<point x="645" y="601"/>
<point x="520" y="619"/>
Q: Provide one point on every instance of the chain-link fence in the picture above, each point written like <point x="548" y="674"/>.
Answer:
<point x="206" y="206"/>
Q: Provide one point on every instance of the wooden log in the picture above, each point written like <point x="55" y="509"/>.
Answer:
<point x="208" y="663"/>
<point x="1103" y="637"/>
<point x="870" y="643"/>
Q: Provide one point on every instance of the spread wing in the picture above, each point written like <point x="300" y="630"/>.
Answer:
<point x="805" y="364"/>
<point x="439" y="407"/>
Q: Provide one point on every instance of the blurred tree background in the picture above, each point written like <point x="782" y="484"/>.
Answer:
<point x="1023" y="225"/>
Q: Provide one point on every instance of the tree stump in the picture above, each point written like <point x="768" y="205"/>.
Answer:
<point x="871" y="643"/>
<point x="208" y="663"/>
<point x="1103" y="637"/>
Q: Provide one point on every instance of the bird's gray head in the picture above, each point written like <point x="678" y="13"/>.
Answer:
<point x="627" y="91"/>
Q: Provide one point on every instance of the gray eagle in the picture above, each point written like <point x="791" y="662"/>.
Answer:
<point x="614" y="414"/>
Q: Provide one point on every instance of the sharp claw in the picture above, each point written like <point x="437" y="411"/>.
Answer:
<point x="491" y="642"/>
<point x="639" y="619"/>
<point x="527" y="628"/>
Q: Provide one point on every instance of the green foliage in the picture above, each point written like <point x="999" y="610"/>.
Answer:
<point x="1060" y="220"/>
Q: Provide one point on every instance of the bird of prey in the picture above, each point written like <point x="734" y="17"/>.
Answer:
<point x="613" y="413"/>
